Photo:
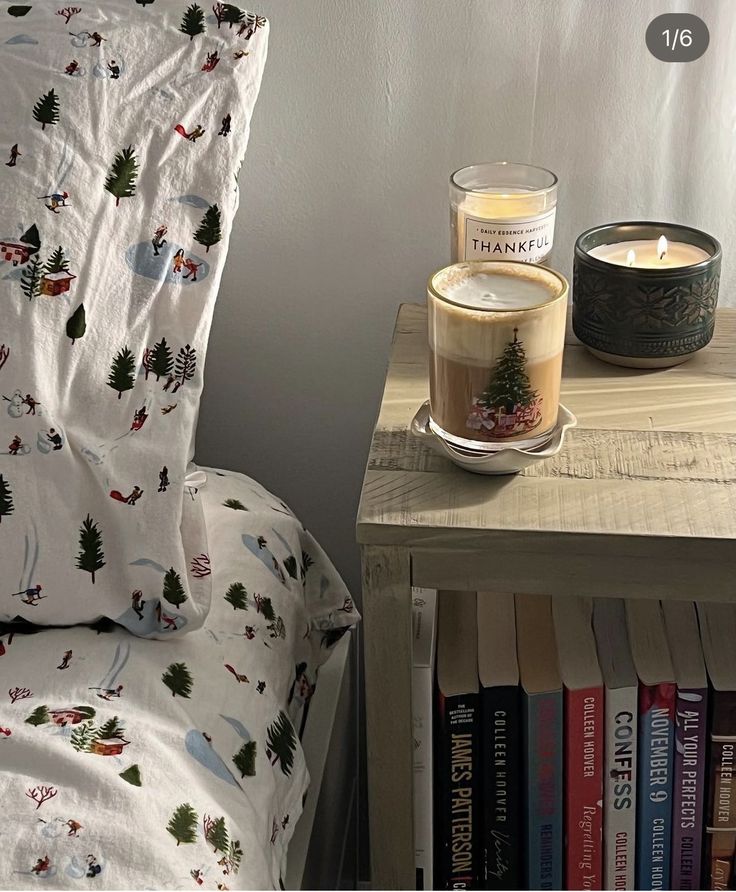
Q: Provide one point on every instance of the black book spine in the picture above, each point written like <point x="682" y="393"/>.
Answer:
<point x="501" y="776"/>
<point x="458" y="861"/>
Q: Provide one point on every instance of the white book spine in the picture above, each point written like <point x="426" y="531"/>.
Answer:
<point x="422" y="693"/>
<point x="619" y="794"/>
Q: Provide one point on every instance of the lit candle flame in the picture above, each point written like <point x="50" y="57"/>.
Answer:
<point x="631" y="257"/>
<point x="662" y="247"/>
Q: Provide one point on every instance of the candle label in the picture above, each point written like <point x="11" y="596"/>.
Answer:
<point x="527" y="240"/>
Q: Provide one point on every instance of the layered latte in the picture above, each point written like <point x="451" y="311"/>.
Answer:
<point x="496" y="337"/>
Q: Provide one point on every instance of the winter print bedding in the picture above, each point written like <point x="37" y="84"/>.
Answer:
<point x="134" y="764"/>
<point x="124" y="125"/>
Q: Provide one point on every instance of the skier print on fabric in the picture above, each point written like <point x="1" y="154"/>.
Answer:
<point x="185" y="753"/>
<point x="122" y="141"/>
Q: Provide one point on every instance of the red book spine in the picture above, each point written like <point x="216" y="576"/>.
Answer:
<point x="584" y="720"/>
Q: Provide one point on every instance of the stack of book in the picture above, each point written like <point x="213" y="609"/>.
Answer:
<point x="572" y="743"/>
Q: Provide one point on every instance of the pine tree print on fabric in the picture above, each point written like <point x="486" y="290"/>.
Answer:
<point x="121" y="180"/>
<point x="6" y="499"/>
<point x="216" y="834"/>
<point x="173" y="589"/>
<point x="209" y="232"/>
<point x="39" y="716"/>
<point x="281" y="741"/>
<point x="76" y="325"/>
<point x="178" y="680"/>
<point x="57" y="262"/>
<point x="193" y="22"/>
<point x="228" y="13"/>
<point x="122" y="372"/>
<point x="132" y="776"/>
<point x="161" y="360"/>
<point x="91" y="556"/>
<point x="83" y="737"/>
<point x="186" y="364"/>
<point x="237" y="596"/>
<point x="30" y="280"/>
<point x="245" y="759"/>
<point x="235" y="504"/>
<point x="183" y="824"/>
<point x="46" y="110"/>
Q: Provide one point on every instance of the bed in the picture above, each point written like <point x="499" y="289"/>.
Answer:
<point x="162" y="626"/>
<point x="149" y="764"/>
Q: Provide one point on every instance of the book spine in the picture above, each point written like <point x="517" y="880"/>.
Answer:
<point x="722" y="807"/>
<point x="501" y="773"/>
<point x="458" y="785"/>
<point x="720" y="848"/>
<point x="543" y="782"/>
<point x="654" y="796"/>
<point x="583" y="788"/>
<point x="619" y="796"/>
<point x="423" y="787"/>
<point x="688" y="795"/>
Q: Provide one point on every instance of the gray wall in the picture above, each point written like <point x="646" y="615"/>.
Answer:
<point x="365" y="109"/>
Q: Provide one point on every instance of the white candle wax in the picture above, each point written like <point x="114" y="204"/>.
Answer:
<point x="647" y="255"/>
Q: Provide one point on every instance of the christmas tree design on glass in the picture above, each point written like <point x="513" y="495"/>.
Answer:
<point x="46" y="110"/>
<point x="193" y="22"/>
<point x="509" y="405"/>
<point x="123" y="174"/>
<point x="209" y="232"/>
<point x="91" y="558"/>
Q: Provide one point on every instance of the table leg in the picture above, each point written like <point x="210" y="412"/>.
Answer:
<point x="388" y="656"/>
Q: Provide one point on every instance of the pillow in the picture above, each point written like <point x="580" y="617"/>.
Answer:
<point x="124" y="125"/>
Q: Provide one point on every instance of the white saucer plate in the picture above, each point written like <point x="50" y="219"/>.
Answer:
<point x="503" y="461"/>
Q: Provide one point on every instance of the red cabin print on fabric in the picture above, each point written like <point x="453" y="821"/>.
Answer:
<point x="15" y="253"/>
<point x="53" y="284"/>
<point x="112" y="747"/>
<point x="64" y="717"/>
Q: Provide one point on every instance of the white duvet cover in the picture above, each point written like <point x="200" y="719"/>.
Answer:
<point x="128" y="763"/>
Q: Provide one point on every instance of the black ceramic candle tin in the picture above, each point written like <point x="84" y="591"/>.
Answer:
<point x="644" y="317"/>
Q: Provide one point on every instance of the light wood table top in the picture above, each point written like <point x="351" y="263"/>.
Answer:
<point x="654" y="454"/>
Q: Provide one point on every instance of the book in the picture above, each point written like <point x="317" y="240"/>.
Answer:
<point x="621" y="688"/>
<point x="424" y="627"/>
<point x="457" y="744"/>
<point x="656" y="744"/>
<point x="717" y="631"/>
<point x="541" y="741"/>
<point x="583" y="741"/>
<point x="691" y="718"/>
<point x="500" y="741"/>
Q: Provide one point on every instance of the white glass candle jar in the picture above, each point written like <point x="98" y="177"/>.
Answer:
<point x="502" y="211"/>
<point x="496" y="337"/>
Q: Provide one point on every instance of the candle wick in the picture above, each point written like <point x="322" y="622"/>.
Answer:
<point x="661" y="256"/>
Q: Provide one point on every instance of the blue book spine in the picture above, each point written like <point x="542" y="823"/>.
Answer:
<point x="654" y="792"/>
<point x="543" y="761"/>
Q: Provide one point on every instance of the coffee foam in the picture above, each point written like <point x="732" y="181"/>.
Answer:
<point x="476" y="336"/>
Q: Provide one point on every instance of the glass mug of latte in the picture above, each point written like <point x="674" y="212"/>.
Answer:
<point x="496" y="337"/>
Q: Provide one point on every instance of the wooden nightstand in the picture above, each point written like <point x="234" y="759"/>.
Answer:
<point x="641" y="502"/>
